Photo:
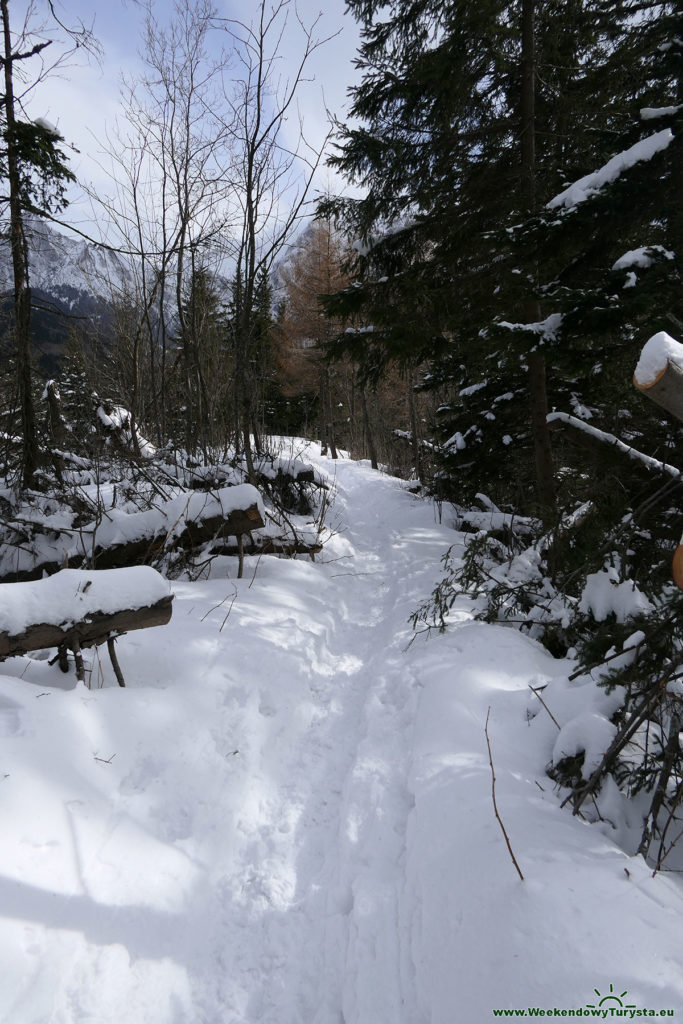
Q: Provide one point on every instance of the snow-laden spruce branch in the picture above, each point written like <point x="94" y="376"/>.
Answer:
<point x="601" y="435"/>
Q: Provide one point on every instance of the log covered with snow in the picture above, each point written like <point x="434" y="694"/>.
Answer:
<point x="659" y="373"/>
<point x="121" y="539"/>
<point x="78" y="608"/>
<point x="187" y="521"/>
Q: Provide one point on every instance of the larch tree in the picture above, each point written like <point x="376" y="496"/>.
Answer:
<point x="312" y="272"/>
<point x="270" y="180"/>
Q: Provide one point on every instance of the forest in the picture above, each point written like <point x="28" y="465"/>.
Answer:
<point x="468" y="315"/>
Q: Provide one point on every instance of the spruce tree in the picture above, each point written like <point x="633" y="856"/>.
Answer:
<point x="34" y="168"/>
<point x="443" y="157"/>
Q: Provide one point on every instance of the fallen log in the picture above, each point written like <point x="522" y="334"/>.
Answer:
<point x="75" y="609"/>
<point x="193" y="528"/>
<point x="119" y="540"/>
<point x="95" y="629"/>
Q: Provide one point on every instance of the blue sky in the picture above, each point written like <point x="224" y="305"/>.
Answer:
<point x="83" y="101"/>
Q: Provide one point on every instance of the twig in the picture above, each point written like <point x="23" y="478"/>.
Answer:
<point x="215" y="607"/>
<point x="336" y="575"/>
<point x="104" y="760"/>
<point x="535" y="691"/>
<point x="493" y="794"/>
<point x="234" y="598"/>
<point x="258" y="562"/>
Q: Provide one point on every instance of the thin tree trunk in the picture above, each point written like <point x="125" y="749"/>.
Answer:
<point x="22" y="292"/>
<point x="417" y="451"/>
<point x="545" y="481"/>
<point x="369" y="436"/>
<point x="329" y="415"/>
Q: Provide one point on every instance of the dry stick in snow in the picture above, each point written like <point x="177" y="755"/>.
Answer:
<point x="229" y="609"/>
<point x="537" y="694"/>
<point x="493" y="794"/>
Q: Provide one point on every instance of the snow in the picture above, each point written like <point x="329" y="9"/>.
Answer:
<point x="604" y="595"/>
<point x="119" y="419"/>
<point x="170" y="517"/>
<point x="472" y="389"/>
<point x="588" y="732"/>
<point x="651" y="113"/>
<point x="456" y="441"/>
<point x="286" y="816"/>
<point x="71" y="595"/>
<point x="641" y="257"/>
<point x="546" y="329"/>
<point x="47" y="126"/>
<point x="655" y="356"/>
<point x="587" y="186"/>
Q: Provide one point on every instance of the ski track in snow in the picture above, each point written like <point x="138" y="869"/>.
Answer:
<point x="290" y="818"/>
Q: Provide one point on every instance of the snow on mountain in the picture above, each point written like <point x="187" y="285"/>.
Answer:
<point x="65" y="267"/>
<point x="286" y="818"/>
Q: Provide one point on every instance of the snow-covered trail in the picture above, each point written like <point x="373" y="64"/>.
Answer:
<point x="237" y="851"/>
<point x="321" y="873"/>
<point x="286" y="817"/>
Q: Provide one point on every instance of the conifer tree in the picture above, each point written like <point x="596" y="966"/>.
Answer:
<point x="33" y="166"/>
<point x="443" y="155"/>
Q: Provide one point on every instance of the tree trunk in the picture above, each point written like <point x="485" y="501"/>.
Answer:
<point x="330" y="416"/>
<point x="417" y="450"/>
<point x="22" y="292"/>
<point x="545" y="481"/>
<point x="369" y="436"/>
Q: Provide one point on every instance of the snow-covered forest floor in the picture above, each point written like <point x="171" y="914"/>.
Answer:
<point x="287" y="817"/>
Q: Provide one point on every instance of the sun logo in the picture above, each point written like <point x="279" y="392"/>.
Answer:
<point x="610" y="997"/>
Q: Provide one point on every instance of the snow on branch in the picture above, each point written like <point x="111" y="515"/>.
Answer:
<point x="604" y="438"/>
<point x="546" y="329"/>
<point x="587" y="186"/>
<point x="652" y="113"/>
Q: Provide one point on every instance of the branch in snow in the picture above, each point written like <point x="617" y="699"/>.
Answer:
<point x="602" y="436"/>
<point x="493" y="795"/>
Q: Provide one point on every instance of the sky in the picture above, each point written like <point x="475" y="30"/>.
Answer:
<point x="83" y="101"/>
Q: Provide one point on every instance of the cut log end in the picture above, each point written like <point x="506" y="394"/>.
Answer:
<point x="666" y="389"/>
<point x="677" y="567"/>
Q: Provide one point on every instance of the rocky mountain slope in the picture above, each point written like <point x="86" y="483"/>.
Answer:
<point x="70" y="279"/>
